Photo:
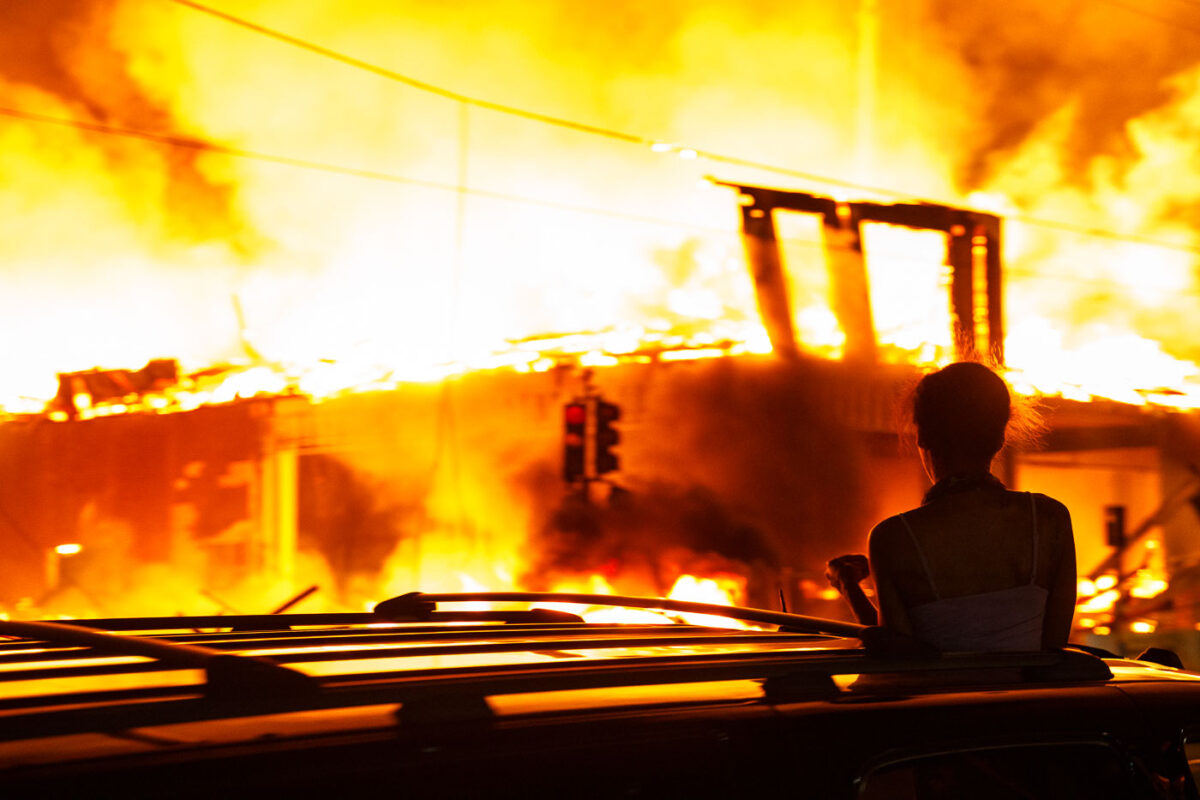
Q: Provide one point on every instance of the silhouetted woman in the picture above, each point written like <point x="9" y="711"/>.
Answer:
<point x="975" y="567"/>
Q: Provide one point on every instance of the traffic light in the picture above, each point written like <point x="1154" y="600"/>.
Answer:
<point x="574" y="442"/>
<point x="1114" y="526"/>
<point x="607" y="437"/>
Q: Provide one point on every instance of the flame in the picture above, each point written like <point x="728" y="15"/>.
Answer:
<point x="469" y="584"/>
<point x="313" y="282"/>
<point x="457" y="239"/>
<point x="1101" y="596"/>
<point x="722" y="590"/>
<point x="909" y="284"/>
<point x="718" y="589"/>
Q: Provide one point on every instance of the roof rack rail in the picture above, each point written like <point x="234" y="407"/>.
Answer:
<point x="227" y="676"/>
<point x="787" y="678"/>
<point x="283" y="622"/>
<point x="418" y="605"/>
<point x="878" y="642"/>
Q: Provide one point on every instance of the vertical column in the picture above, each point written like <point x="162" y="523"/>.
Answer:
<point x="766" y="267"/>
<point x="848" y="279"/>
<point x="279" y="506"/>
<point x="962" y="291"/>
<point x="995" y="289"/>
<point x="976" y="292"/>
<point x="980" y="321"/>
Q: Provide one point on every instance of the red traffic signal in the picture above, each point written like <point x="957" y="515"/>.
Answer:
<point x="574" y="442"/>
<point x="575" y="414"/>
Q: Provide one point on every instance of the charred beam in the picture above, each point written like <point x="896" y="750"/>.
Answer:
<point x="770" y="284"/>
<point x="973" y="253"/>
<point x="848" y="277"/>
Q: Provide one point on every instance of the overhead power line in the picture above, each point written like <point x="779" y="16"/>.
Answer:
<point x="628" y="138"/>
<point x="1150" y="15"/>
<point x="522" y="113"/>
<point x="392" y="75"/>
<point x="172" y="140"/>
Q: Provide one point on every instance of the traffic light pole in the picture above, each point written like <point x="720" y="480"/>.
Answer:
<point x="1115" y="537"/>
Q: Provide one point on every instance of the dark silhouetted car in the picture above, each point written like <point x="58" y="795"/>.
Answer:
<point x="420" y="700"/>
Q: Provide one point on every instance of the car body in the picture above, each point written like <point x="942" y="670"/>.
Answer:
<point x="415" y="700"/>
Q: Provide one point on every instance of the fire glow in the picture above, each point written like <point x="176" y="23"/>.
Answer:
<point x="428" y="237"/>
<point x="290" y="293"/>
<point x="721" y="589"/>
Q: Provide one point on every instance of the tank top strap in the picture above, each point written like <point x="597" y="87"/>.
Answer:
<point x="921" y="555"/>
<point x="1033" y="512"/>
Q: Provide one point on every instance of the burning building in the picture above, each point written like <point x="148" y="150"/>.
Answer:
<point x="363" y="298"/>
<point x="150" y="487"/>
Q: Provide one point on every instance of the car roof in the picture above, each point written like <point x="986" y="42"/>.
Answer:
<point x="413" y="662"/>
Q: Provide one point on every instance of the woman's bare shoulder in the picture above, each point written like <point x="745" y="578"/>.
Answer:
<point x="1054" y="521"/>
<point x="886" y="535"/>
<point x="1052" y="508"/>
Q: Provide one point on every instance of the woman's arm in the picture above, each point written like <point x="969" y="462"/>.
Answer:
<point x="1060" y="605"/>
<point x="892" y="611"/>
<point x="846" y="573"/>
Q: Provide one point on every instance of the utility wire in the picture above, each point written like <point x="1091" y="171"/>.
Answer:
<point x="408" y="81"/>
<point x="1191" y="3"/>
<point x="461" y="189"/>
<point x="534" y="116"/>
<point x="171" y="140"/>
<point x="629" y="138"/>
<point x="1141" y="12"/>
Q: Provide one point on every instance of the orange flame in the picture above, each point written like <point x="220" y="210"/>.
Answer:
<point x="720" y="589"/>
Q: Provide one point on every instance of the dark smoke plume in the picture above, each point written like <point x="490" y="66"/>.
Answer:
<point x="731" y="466"/>
<point x="653" y="534"/>
<point x="1029" y="60"/>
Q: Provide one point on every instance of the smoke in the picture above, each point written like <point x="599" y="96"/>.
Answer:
<point x="728" y="466"/>
<point x="1065" y="110"/>
<point x="641" y="541"/>
<point x="959" y="90"/>
<point x="69" y="51"/>
<point x="1028" y="61"/>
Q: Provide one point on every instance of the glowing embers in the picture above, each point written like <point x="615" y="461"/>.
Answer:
<point x="1110" y="601"/>
<point x="1101" y="602"/>
<point x="1147" y="584"/>
<point x="161" y="388"/>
